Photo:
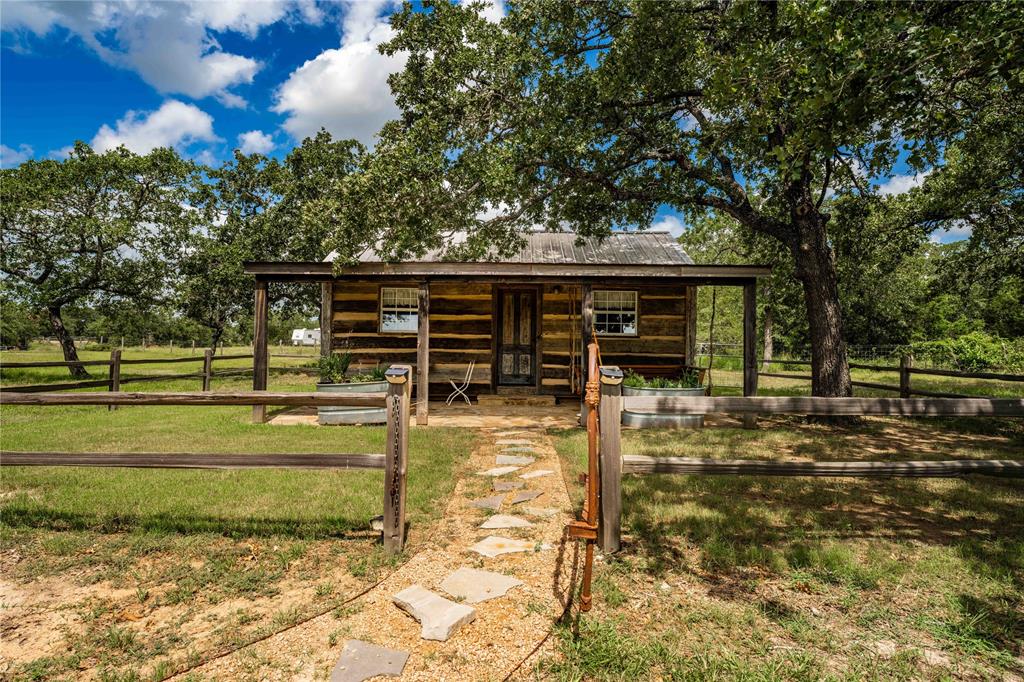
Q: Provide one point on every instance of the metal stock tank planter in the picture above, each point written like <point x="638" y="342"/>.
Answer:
<point x="333" y="379"/>
<point x="653" y="419"/>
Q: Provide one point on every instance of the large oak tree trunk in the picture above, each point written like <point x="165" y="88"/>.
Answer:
<point x="67" y="344"/>
<point x="816" y="269"/>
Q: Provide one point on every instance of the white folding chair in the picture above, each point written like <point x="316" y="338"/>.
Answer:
<point x="461" y="390"/>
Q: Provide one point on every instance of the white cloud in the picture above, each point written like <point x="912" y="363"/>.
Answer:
<point x="10" y="158"/>
<point x="255" y="142"/>
<point x="174" y="124"/>
<point x="169" y="44"/>
<point x="672" y="224"/>
<point x="492" y="10"/>
<point x="345" y="89"/>
<point x="898" y="184"/>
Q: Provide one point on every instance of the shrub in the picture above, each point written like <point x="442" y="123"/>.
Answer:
<point x="972" y="352"/>
<point x="689" y="378"/>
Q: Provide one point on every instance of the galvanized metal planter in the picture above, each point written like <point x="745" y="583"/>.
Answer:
<point x="660" y="420"/>
<point x="352" y="415"/>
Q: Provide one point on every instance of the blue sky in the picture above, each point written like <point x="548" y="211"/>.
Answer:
<point x="204" y="77"/>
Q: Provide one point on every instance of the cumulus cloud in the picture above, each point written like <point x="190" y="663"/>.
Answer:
<point x="672" y="224"/>
<point x="174" y="124"/>
<point x="255" y="142"/>
<point x="898" y="184"/>
<point x="491" y="10"/>
<point x="169" y="44"/>
<point x="9" y="157"/>
<point x="345" y="89"/>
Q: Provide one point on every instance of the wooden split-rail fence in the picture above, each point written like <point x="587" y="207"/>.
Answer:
<point x="394" y="461"/>
<point x="614" y="463"/>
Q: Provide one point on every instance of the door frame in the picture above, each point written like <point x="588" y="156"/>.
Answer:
<point x="538" y="320"/>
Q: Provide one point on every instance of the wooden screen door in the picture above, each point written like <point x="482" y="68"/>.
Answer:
<point x="517" y="356"/>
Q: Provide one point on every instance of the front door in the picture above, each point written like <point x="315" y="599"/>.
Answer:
<point x="517" y="317"/>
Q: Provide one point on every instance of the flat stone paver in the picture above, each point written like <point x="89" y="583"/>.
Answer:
<point x="526" y="496"/>
<point x="505" y="521"/>
<point x="440" y="618"/>
<point x="473" y="585"/>
<point x="536" y="474"/>
<point x="505" y="486"/>
<point x="507" y="434"/>
<point x="518" y="448"/>
<point x="498" y="471"/>
<point x="492" y="502"/>
<point x="361" y="660"/>
<point x="517" y="460"/>
<point x="513" y="441"/>
<point x="495" y="545"/>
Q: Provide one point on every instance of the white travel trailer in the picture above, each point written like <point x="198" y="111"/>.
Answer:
<point x="305" y="337"/>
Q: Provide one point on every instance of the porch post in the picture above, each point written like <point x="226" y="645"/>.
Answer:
<point x="749" y="347"/>
<point x="586" y="336"/>
<point x="259" y="349"/>
<point x="326" y="314"/>
<point x="691" y="325"/>
<point x="423" y="354"/>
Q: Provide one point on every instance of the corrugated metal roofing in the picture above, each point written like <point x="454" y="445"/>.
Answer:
<point x="620" y="248"/>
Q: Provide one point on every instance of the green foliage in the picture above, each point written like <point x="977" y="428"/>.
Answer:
<point x="973" y="352"/>
<point x="689" y="378"/>
<point x="333" y="367"/>
<point x="18" y="325"/>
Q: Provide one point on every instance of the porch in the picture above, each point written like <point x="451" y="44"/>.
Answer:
<point x="476" y="416"/>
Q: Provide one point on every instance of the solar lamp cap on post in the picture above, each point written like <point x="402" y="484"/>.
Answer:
<point x="397" y="375"/>
<point x="610" y="374"/>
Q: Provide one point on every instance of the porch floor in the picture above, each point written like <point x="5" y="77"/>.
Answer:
<point x="467" y="416"/>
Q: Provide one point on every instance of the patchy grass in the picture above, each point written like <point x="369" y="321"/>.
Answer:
<point x="134" y="573"/>
<point x="807" y="579"/>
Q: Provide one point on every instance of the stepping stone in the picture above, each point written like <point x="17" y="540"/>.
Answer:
<point x="545" y="512"/>
<point x="506" y="434"/>
<point x="495" y="545"/>
<point x="505" y="521"/>
<point x="361" y="660"/>
<point x="498" y="471"/>
<point x="536" y="474"/>
<point x="473" y="586"/>
<point x="505" y="486"/>
<point x="512" y="459"/>
<point x="492" y="502"/>
<point x="526" y="496"/>
<point x="519" y="448"/>
<point x="441" y="618"/>
<point x="513" y="441"/>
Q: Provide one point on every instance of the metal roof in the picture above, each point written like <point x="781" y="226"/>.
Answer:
<point x="561" y="248"/>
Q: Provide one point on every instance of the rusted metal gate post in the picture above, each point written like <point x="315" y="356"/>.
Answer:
<point x="396" y="456"/>
<point x="586" y="529"/>
<point x="610" y="522"/>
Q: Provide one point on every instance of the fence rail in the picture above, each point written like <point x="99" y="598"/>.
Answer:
<point x="394" y="461"/>
<point x="613" y="464"/>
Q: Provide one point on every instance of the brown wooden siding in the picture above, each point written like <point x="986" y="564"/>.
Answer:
<point x="461" y="318"/>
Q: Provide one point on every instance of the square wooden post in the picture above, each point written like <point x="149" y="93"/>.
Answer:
<point x="396" y="456"/>
<point x="750" y="347"/>
<point x="586" y="336"/>
<point x="259" y="349"/>
<point x="423" y="355"/>
<point x="115" y="375"/>
<point x="207" y="368"/>
<point x="326" y="314"/>
<point x="609" y="531"/>
<point x="906" y="362"/>
<point x="691" y="326"/>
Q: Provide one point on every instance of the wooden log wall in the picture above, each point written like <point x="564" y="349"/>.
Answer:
<point x="460" y="331"/>
<point x="662" y="337"/>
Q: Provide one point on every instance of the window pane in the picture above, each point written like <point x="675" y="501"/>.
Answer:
<point x="615" y="312"/>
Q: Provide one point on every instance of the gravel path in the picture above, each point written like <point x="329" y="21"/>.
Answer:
<point x="506" y="629"/>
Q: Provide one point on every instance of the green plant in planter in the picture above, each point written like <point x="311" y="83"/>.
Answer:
<point x="333" y="367"/>
<point x="688" y="379"/>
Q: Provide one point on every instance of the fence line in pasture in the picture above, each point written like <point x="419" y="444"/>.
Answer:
<point x="394" y="461"/>
<point x="613" y="463"/>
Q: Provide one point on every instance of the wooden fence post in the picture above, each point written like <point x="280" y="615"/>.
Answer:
<point x="115" y="375"/>
<point x="396" y="456"/>
<point x="906" y="362"/>
<point x="610" y="419"/>
<point x="207" y="368"/>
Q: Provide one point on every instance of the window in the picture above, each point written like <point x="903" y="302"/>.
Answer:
<point x="398" y="310"/>
<point x="615" y="313"/>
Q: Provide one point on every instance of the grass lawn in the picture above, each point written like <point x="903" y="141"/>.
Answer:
<point x="808" y="579"/>
<point x="134" y="574"/>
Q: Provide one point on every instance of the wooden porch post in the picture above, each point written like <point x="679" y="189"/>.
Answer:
<point x="610" y="521"/>
<point x="326" y="314"/>
<point x="749" y="347"/>
<point x="587" y="322"/>
<point x="259" y="349"/>
<point x="691" y="325"/>
<point x="423" y="354"/>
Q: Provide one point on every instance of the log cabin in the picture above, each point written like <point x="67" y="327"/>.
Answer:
<point x="522" y="322"/>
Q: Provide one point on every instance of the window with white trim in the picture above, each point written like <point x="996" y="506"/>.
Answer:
<point x="398" y="310"/>
<point x="615" y="313"/>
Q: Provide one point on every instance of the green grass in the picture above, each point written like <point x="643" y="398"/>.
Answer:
<point x="213" y="558"/>
<point x="752" y="578"/>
